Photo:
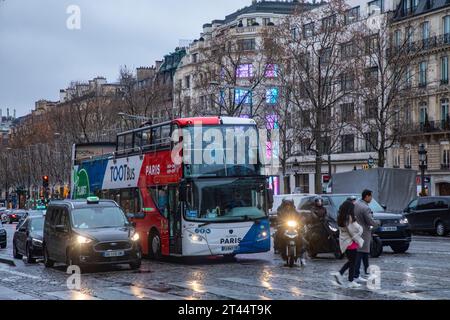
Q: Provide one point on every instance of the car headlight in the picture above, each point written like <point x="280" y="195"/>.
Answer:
<point x="83" y="240"/>
<point x="135" y="237"/>
<point x="292" y="224"/>
<point x="404" y="221"/>
<point x="36" y="242"/>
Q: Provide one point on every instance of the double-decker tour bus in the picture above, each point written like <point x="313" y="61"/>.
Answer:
<point x="193" y="187"/>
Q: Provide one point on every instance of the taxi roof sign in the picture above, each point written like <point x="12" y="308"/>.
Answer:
<point x="93" y="200"/>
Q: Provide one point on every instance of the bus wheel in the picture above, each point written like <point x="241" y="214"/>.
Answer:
<point x="155" y="246"/>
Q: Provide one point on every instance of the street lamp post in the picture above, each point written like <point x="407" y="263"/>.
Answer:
<point x="423" y="165"/>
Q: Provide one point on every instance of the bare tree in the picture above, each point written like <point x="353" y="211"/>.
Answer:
<point x="308" y="48"/>
<point x="383" y="72"/>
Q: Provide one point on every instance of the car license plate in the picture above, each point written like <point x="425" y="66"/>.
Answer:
<point x="389" y="229"/>
<point x="229" y="248"/>
<point x="111" y="254"/>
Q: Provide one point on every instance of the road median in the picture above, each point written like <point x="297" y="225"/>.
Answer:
<point x="7" y="260"/>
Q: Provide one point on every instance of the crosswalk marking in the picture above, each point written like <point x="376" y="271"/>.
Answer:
<point x="222" y="292"/>
<point x="294" y="291"/>
<point x="144" y="293"/>
<point x="71" y="295"/>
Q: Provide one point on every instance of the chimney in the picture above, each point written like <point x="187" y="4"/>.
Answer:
<point x="14" y="116"/>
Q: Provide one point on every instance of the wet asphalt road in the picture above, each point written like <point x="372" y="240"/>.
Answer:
<point x="422" y="273"/>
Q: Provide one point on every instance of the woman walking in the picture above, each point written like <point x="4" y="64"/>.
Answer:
<point x="350" y="241"/>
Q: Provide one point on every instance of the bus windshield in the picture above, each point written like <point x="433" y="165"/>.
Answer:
<point x="98" y="217"/>
<point x="226" y="200"/>
<point x="221" y="151"/>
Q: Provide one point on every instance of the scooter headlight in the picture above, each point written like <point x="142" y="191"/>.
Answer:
<point x="292" y="224"/>
<point x="333" y="228"/>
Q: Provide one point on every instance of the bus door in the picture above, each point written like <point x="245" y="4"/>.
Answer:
<point x="174" y="220"/>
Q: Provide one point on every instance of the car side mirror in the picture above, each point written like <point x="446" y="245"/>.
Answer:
<point x="384" y="207"/>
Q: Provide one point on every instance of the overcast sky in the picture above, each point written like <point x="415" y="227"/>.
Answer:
<point x="39" y="55"/>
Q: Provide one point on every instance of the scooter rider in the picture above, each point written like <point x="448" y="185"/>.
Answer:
<point x="319" y="210"/>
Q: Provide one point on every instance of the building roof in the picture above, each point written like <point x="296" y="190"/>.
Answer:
<point x="423" y="6"/>
<point x="275" y="7"/>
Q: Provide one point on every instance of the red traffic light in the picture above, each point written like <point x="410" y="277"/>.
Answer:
<point x="45" y="178"/>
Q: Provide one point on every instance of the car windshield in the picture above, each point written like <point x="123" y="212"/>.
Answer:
<point x="339" y="200"/>
<point x="226" y="200"/>
<point x="98" y="217"/>
<point x="37" y="224"/>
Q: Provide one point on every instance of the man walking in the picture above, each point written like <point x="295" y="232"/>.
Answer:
<point x="364" y="217"/>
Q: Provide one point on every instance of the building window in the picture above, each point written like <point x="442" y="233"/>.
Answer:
<point x="348" y="112"/>
<point x="409" y="31"/>
<point x="423" y="74"/>
<point x="348" y="50"/>
<point x="423" y="113"/>
<point x="271" y="71"/>
<point x="446" y="27"/>
<point x="408" y="114"/>
<point x="325" y="56"/>
<point x="444" y="70"/>
<point x="371" y="139"/>
<point x="371" y="76"/>
<point x="308" y="30"/>
<point x="408" y="158"/>
<point x="352" y="15"/>
<point x="251" y="21"/>
<point x="266" y="21"/>
<point x="347" y="82"/>
<point x="371" y="109"/>
<point x="408" y="77"/>
<point x="329" y="22"/>
<point x="445" y="157"/>
<point x="295" y="32"/>
<point x="195" y="58"/>
<point x="272" y="122"/>
<point x="306" y="118"/>
<point x="397" y="38"/>
<point x="243" y="96"/>
<point x="272" y="95"/>
<point x="425" y="33"/>
<point x="244" y="71"/>
<point x="375" y="7"/>
<point x="348" y="143"/>
<point x="396" y="152"/>
<point x="445" y="111"/>
<point x="187" y="81"/>
<point x="247" y="45"/>
<point x="371" y="44"/>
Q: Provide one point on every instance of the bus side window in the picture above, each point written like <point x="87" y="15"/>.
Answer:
<point x="137" y="140"/>
<point x="120" y="143"/>
<point x="165" y="136"/>
<point x="146" y="138"/>
<point x="160" y="198"/>
<point x="156" y="138"/>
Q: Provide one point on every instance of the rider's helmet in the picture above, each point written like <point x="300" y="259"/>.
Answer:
<point x="318" y="201"/>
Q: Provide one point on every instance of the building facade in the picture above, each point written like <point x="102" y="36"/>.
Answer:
<point x="426" y="26"/>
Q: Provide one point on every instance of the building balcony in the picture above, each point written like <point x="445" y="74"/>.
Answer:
<point x="430" y="127"/>
<point x="423" y="45"/>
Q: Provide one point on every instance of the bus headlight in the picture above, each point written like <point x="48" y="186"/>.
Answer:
<point x="135" y="237"/>
<point x="195" y="238"/>
<point x="36" y="242"/>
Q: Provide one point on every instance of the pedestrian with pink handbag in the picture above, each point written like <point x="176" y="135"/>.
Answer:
<point x="350" y="240"/>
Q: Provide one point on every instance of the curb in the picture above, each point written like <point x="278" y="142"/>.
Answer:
<point x="7" y="260"/>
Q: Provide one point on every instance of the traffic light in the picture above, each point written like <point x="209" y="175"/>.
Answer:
<point x="45" y="182"/>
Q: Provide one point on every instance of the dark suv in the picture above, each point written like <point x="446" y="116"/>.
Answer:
<point x="394" y="230"/>
<point x="430" y="214"/>
<point x="92" y="232"/>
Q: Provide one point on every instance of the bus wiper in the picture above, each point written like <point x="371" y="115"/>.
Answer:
<point x="205" y="224"/>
